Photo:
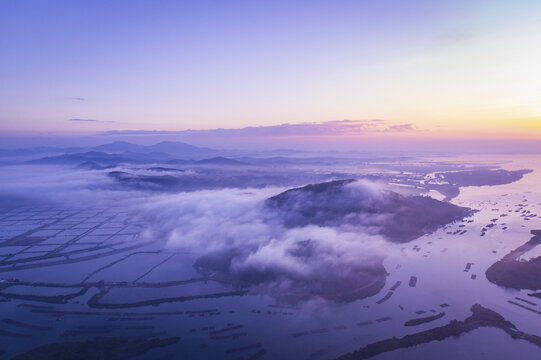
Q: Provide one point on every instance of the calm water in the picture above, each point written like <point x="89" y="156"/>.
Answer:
<point x="218" y="327"/>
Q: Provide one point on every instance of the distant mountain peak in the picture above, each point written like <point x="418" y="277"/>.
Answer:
<point x="220" y="160"/>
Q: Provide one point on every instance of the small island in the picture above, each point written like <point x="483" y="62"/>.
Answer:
<point x="481" y="317"/>
<point x="423" y="320"/>
<point x="118" y="348"/>
<point x="518" y="274"/>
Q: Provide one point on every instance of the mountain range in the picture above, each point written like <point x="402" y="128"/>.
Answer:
<point x="174" y="148"/>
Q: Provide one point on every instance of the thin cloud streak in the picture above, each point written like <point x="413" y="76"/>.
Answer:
<point x="91" y="120"/>
<point x="329" y="128"/>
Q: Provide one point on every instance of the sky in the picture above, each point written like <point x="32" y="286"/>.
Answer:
<point x="429" y="70"/>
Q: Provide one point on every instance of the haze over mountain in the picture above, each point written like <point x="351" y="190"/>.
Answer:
<point x="308" y="263"/>
<point x="361" y="204"/>
<point x="169" y="147"/>
<point x="270" y="180"/>
<point x="175" y="148"/>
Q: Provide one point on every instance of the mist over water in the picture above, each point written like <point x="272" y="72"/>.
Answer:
<point x="315" y="244"/>
<point x="270" y="180"/>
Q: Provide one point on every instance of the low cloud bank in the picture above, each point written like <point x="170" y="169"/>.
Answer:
<point x="238" y="241"/>
<point x="326" y="240"/>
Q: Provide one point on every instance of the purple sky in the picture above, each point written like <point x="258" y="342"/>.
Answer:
<point x="450" y="69"/>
